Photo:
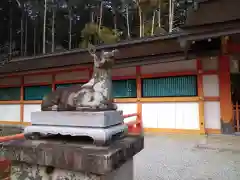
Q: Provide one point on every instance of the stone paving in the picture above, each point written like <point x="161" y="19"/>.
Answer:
<point x="182" y="157"/>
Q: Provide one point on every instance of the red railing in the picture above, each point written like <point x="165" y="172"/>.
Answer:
<point x="134" y="127"/>
<point x="12" y="137"/>
<point x="236" y="117"/>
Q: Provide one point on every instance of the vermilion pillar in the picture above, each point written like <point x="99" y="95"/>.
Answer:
<point x="225" y="95"/>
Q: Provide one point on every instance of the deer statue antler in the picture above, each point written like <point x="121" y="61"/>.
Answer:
<point x="92" y="50"/>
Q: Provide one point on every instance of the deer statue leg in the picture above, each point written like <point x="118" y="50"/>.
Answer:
<point x="50" y="102"/>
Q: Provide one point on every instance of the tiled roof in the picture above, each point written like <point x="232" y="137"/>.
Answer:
<point x="213" y="11"/>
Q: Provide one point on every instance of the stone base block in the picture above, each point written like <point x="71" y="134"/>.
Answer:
<point x="25" y="171"/>
<point x="58" y="159"/>
<point x="78" y="119"/>
<point x="100" y="136"/>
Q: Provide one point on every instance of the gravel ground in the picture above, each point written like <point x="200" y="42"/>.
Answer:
<point x="174" y="157"/>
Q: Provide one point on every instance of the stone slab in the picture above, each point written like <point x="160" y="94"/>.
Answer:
<point x="100" y="136"/>
<point x="74" y="156"/>
<point x="23" y="171"/>
<point x="77" y="118"/>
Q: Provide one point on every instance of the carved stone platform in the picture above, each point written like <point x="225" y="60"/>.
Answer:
<point x="100" y="136"/>
<point x="100" y="119"/>
<point x="58" y="159"/>
<point x="102" y="127"/>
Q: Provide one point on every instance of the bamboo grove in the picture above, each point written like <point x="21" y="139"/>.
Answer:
<point x="32" y="27"/>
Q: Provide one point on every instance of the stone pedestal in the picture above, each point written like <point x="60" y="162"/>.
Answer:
<point x="62" y="160"/>
<point x="102" y="126"/>
<point x="100" y="119"/>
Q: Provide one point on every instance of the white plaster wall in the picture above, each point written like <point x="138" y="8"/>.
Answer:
<point x="209" y="63"/>
<point x="158" y="115"/>
<point x="10" y="112"/>
<point x="212" y="115"/>
<point x="178" y="66"/>
<point x="37" y="79"/>
<point x="28" y="108"/>
<point x="128" y="108"/>
<point x="171" y="115"/>
<point x="211" y="85"/>
<point x="187" y="115"/>
<point x="128" y="71"/>
<point x="75" y="75"/>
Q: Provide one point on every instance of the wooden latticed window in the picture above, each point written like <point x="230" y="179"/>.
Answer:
<point x="178" y="86"/>
<point x="67" y="85"/>
<point x="36" y="92"/>
<point x="124" y="88"/>
<point x="10" y="94"/>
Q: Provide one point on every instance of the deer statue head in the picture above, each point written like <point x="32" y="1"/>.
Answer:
<point x="105" y="60"/>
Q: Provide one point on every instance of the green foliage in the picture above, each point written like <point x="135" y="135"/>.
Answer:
<point x="92" y="35"/>
<point x="156" y="30"/>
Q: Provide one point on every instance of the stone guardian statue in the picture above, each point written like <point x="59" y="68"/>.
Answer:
<point x="95" y="95"/>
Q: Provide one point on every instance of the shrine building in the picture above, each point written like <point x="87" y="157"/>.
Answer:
<point x="185" y="82"/>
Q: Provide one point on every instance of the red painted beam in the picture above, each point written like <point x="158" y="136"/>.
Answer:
<point x="232" y="47"/>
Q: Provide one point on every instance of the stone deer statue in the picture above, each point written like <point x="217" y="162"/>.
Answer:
<point x="95" y="95"/>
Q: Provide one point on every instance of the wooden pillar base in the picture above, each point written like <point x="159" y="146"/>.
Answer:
<point x="227" y="127"/>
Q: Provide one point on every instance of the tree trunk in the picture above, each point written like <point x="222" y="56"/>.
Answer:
<point x="44" y="26"/>
<point x="38" y="36"/>
<point x="171" y="11"/>
<point x="153" y="23"/>
<point x="128" y="26"/>
<point x="22" y="33"/>
<point x="92" y="17"/>
<point x="173" y="6"/>
<point x="26" y="35"/>
<point x="159" y="14"/>
<point x="115" y="21"/>
<point x="53" y="28"/>
<point x="70" y="29"/>
<point x="169" y="15"/>
<point x="10" y="32"/>
<point x="34" y="41"/>
<point x="100" y="17"/>
<point x="140" y="22"/>
<point x="143" y="25"/>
